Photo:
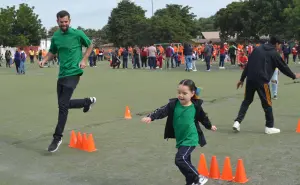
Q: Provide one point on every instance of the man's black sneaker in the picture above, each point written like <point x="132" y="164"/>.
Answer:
<point x="92" y="101"/>
<point x="53" y="147"/>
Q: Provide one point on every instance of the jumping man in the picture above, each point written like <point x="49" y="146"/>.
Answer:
<point x="67" y="43"/>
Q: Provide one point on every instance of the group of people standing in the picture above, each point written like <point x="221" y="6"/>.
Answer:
<point x="19" y="60"/>
<point x="156" y="57"/>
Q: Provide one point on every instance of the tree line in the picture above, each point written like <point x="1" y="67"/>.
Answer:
<point x="128" y="25"/>
<point x="20" y="27"/>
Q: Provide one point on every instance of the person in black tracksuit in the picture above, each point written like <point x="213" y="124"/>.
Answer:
<point x="259" y="71"/>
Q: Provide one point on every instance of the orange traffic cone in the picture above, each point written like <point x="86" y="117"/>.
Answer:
<point x="298" y="127"/>
<point x="202" y="166"/>
<point x="127" y="113"/>
<point x="73" y="140"/>
<point x="84" y="142"/>
<point x="91" y="144"/>
<point x="214" y="168"/>
<point x="227" y="170"/>
<point x="79" y="141"/>
<point x="240" y="176"/>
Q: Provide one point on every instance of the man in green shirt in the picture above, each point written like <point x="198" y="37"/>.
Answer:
<point x="67" y="43"/>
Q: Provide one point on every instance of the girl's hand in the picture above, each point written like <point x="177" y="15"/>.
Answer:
<point x="213" y="128"/>
<point x="146" y="120"/>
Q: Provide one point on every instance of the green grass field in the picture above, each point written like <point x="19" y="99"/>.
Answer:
<point x="130" y="152"/>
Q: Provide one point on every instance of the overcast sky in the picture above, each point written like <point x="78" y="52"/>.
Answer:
<point x="95" y="13"/>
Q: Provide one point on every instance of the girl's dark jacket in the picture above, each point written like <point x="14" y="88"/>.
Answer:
<point x="168" y="110"/>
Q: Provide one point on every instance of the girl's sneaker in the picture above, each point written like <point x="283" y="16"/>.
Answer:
<point x="202" y="180"/>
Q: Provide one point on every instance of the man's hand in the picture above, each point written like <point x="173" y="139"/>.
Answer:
<point x="239" y="84"/>
<point x="82" y="64"/>
<point x="297" y="75"/>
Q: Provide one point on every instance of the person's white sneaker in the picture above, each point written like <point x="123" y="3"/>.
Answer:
<point x="272" y="130"/>
<point x="236" y="126"/>
<point x="202" y="180"/>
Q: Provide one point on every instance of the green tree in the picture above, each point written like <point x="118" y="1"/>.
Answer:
<point x="126" y="24"/>
<point x="292" y="14"/>
<point x="270" y="16"/>
<point x="233" y="20"/>
<point x="7" y="20"/>
<point x="28" y="24"/>
<point x="254" y="18"/>
<point x="206" y="24"/>
<point x="175" y="23"/>
<point x="21" y="41"/>
<point x="104" y="34"/>
<point x="20" y="26"/>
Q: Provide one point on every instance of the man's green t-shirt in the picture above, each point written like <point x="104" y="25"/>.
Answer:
<point x="68" y="46"/>
<point x="184" y="125"/>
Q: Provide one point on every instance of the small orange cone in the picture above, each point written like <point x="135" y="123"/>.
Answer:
<point x="91" y="144"/>
<point x="202" y="166"/>
<point x="79" y="141"/>
<point x="127" y="113"/>
<point x="73" y="140"/>
<point x="214" y="169"/>
<point x="227" y="170"/>
<point x="240" y="176"/>
<point x="298" y="127"/>
<point x="84" y="142"/>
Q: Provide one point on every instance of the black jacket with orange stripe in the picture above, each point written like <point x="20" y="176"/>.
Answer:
<point x="262" y="63"/>
<point x="168" y="111"/>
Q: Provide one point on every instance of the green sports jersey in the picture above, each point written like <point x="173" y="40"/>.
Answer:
<point x="68" y="46"/>
<point x="184" y="125"/>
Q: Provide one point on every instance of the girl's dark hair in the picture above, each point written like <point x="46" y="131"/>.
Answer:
<point x="192" y="86"/>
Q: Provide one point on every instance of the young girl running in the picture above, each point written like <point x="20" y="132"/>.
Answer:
<point x="184" y="114"/>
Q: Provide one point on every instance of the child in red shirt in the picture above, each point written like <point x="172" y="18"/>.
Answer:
<point x="159" y="60"/>
<point x="295" y="53"/>
<point x="178" y="60"/>
<point x="243" y="61"/>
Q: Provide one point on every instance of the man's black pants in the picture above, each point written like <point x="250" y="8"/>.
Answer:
<point x="183" y="162"/>
<point x="65" y="89"/>
<point x="264" y="94"/>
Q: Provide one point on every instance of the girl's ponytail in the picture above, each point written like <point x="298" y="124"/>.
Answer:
<point x="197" y="93"/>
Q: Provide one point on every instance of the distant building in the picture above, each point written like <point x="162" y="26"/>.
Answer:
<point x="213" y="36"/>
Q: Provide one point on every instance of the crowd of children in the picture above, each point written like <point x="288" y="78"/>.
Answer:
<point x="173" y="55"/>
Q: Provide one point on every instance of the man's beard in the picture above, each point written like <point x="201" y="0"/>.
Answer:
<point x="64" y="30"/>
